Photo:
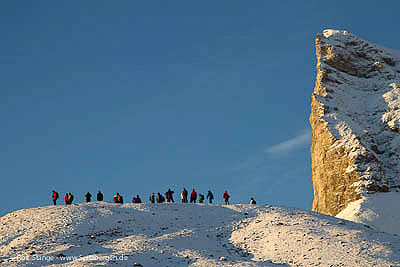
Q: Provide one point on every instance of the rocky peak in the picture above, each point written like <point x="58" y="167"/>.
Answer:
<point x="355" y="118"/>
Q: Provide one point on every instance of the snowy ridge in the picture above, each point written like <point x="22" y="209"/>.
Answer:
<point x="188" y="235"/>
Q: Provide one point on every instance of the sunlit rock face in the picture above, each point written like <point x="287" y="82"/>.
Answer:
<point x="355" y="119"/>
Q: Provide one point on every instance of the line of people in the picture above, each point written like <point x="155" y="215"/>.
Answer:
<point x="184" y="197"/>
<point x="69" y="198"/>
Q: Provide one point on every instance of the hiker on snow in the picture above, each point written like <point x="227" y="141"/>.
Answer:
<point x="169" y="196"/>
<point x="193" y="196"/>
<point x="136" y="200"/>
<point x="160" y="198"/>
<point x="88" y="196"/>
<point x="210" y="196"/>
<point x="184" y="196"/>
<point x="118" y="199"/>
<point x="252" y="201"/>
<point x="152" y="198"/>
<point x="68" y="198"/>
<point x="226" y="197"/>
<point x="99" y="196"/>
<point x="201" y="198"/>
<point x="55" y="196"/>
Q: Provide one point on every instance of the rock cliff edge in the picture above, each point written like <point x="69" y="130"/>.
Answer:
<point x="355" y="119"/>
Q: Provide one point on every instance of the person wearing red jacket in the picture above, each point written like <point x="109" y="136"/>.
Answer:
<point x="118" y="199"/>
<point x="55" y="197"/>
<point x="193" y="196"/>
<point x="226" y="197"/>
<point x="66" y="199"/>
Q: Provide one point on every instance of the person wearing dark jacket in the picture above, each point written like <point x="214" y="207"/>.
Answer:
<point x="193" y="196"/>
<point x="99" y="196"/>
<point x="152" y="198"/>
<point x="55" y="196"/>
<point x="88" y="196"/>
<point x="252" y="201"/>
<point x="136" y="200"/>
<point x="160" y="198"/>
<point x="169" y="195"/>
<point x="184" y="196"/>
<point x="210" y="196"/>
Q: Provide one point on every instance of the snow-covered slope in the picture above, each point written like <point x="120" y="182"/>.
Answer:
<point x="381" y="211"/>
<point x="189" y="235"/>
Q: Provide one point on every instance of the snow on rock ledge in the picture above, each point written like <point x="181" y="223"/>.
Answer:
<point x="355" y="117"/>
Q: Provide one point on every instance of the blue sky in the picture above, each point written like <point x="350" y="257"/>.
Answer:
<point x="139" y="96"/>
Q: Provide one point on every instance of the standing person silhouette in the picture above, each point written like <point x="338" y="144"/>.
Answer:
<point x="210" y="196"/>
<point x="152" y="198"/>
<point x="193" y="196"/>
<point x="226" y="197"/>
<point x="88" y="197"/>
<point x="169" y="195"/>
<point x="118" y="199"/>
<point x="70" y="198"/>
<point x="55" y="196"/>
<point x="99" y="196"/>
<point x="160" y="198"/>
<point x="184" y="196"/>
<point x="66" y="199"/>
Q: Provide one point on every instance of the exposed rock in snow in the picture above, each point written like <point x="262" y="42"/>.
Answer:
<point x="355" y="118"/>
<point x="188" y="235"/>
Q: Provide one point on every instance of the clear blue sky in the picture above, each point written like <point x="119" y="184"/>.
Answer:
<point x="139" y="96"/>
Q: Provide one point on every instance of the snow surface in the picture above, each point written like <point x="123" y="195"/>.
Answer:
<point x="329" y="32"/>
<point x="170" y="234"/>
<point x="381" y="211"/>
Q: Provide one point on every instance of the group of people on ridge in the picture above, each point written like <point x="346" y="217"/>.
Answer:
<point x="184" y="197"/>
<point x="68" y="199"/>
